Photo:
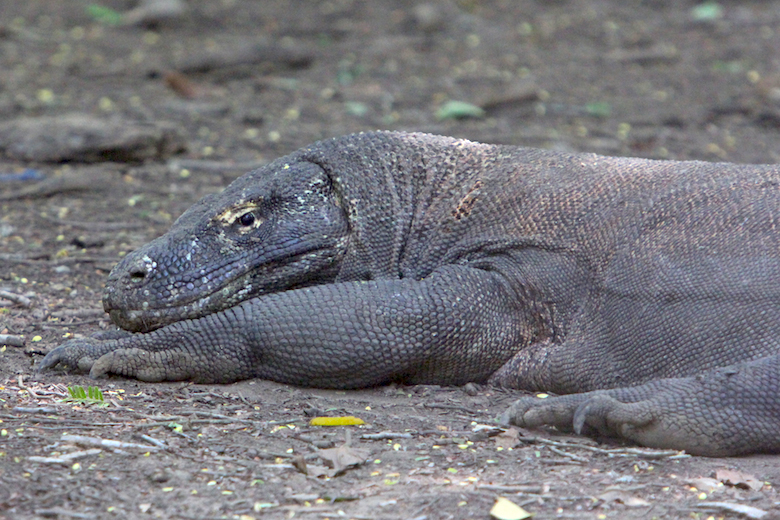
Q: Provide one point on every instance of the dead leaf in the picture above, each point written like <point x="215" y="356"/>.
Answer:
<point x="181" y="84"/>
<point x="300" y="464"/>
<point x="317" y="471"/>
<point x="508" y="438"/>
<point x="210" y="432"/>
<point x="704" y="484"/>
<point x="505" y="509"/>
<point x="623" y="497"/>
<point x="310" y="470"/>
<point x="343" y="457"/>
<point x="731" y="477"/>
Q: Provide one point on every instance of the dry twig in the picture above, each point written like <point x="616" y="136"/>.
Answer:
<point x="16" y="298"/>
<point x="11" y="340"/>
<point x="385" y="435"/>
<point x="105" y="443"/>
<point x="65" y="459"/>
<point x="613" y="452"/>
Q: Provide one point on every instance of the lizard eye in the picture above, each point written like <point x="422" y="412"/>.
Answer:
<point x="247" y="219"/>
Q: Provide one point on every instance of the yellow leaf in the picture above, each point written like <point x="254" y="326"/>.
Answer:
<point x="346" y="420"/>
<point x="505" y="509"/>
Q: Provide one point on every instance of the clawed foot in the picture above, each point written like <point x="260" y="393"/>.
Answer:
<point x="127" y="357"/>
<point x="647" y="415"/>
<point x="101" y="358"/>
<point x="588" y="414"/>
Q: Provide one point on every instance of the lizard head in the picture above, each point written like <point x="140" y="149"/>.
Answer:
<point x="273" y="229"/>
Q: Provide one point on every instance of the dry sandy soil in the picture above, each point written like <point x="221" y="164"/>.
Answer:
<point x="129" y="124"/>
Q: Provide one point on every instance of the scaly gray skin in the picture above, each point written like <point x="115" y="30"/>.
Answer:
<point x="386" y="257"/>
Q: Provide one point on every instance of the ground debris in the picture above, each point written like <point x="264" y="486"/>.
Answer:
<point x="623" y="497"/>
<point x="84" y="138"/>
<point x="246" y="54"/>
<point x="155" y="13"/>
<point x="105" y="443"/>
<point x="505" y="509"/>
<point x="742" y="509"/>
<point x="661" y="53"/>
<point x="738" y="479"/>
<point x="83" y="179"/>
<point x="343" y="457"/>
<point x="11" y="340"/>
<point x="385" y="435"/>
<point x="628" y="451"/>
<point x="67" y="458"/>
<point x="60" y="512"/>
<point x="177" y="165"/>
<point x="16" y="298"/>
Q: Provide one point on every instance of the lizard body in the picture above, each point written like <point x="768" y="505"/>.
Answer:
<point x="647" y="289"/>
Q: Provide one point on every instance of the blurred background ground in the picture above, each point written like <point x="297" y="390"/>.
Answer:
<point x="116" y="116"/>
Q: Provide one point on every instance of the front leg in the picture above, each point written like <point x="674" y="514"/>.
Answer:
<point x="460" y="324"/>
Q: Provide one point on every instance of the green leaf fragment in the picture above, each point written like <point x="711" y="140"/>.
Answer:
<point x="458" y="110"/>
<point x="103" y="14"/>
<point x="178" y="428"/>
<point x="92" y="395"/>
<point x="598" y="109"/>
<point x="707" y="11"/>
<point x="356" y="108"/>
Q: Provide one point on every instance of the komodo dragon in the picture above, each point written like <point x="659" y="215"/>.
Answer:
<point x="412" y="258"/>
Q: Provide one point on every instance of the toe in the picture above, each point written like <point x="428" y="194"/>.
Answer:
<point x="51" y="360"/>
<point x="515" y="414"/>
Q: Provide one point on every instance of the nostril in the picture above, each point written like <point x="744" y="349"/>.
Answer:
<point x="137" y="273"/>
<point x="135" y="269"/>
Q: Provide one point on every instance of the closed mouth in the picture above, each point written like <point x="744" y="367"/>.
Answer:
<point x="145" y="316"/>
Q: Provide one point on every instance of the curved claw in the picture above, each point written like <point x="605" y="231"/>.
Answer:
<point x="581" y="417"/>
<point x="68" y="355"/>
<point x="78" y="354"/>
<point x="606" y="415"/>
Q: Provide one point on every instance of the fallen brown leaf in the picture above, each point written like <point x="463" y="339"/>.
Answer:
<point x="704" y="484"/>
<point x="342" y="458"/>
<point x="181" y="84"/>
<point x="731" y="477"/>
<point x="507" y="439"/>
<point x="310" y="470"/>
<point x="623" y="497"/>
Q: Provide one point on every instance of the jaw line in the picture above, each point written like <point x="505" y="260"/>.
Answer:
<point x="228" y="295"/>
<point x="146" y="320"/>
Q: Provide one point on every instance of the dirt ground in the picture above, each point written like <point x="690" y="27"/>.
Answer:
<point x="160" y="112"/>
